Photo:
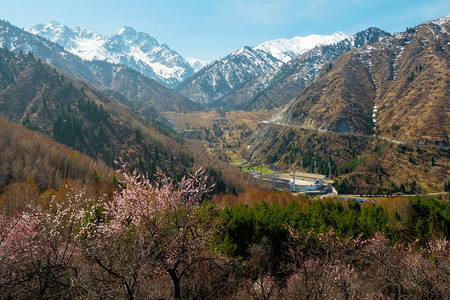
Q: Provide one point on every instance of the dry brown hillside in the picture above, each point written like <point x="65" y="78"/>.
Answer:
<point x="34" y="168"/>
<point x="407" y="76"/>
<point x="27" y="153"/>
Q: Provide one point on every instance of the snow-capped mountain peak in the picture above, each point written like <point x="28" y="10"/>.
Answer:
<point x="127" y="46"/>
<point x="126" y="30"/>
<point x="242" y="50"/>
<point x="197" y="64"/>
<point x="286" y="49"/>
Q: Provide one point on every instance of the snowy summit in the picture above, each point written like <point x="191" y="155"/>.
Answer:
<point x="127" y="46"/>
<point x="286" y="49"/>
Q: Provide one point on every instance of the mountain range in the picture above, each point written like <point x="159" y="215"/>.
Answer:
<point x="346" y="98"/>
<point x="142" y="94"/>
<point x="397" y="88"/>
<point x="265" y="76"/>
<point x="245" y="78"/>
<point x="246" y="71"/>
<point x="136" y="50"/>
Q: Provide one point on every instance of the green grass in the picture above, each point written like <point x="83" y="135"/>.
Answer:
<point x="255" y="167"/>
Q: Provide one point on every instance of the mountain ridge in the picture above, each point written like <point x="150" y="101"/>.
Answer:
<point x="137" y="50"/>
<point x="103" y="75"/>
<point x="225" y="82"/>
<point x="401" y="82"/>
<point x="225" y="75"/>
<point x="296" y="74"/>
<point x="287" y="49"/>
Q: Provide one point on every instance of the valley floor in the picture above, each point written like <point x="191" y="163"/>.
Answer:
<point x="361" y="164"/>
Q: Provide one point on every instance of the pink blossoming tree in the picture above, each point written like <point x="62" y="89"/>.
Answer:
<point x="148" y="230"/>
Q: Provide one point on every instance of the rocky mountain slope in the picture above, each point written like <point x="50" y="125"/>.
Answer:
<point x="137" y="50"/>
<point x="226" y="75"/>
<point x="147" y="94"/>
<point x="291" y="78"/>
<point x="397" y="88"/>
<point x="298" y="61"/>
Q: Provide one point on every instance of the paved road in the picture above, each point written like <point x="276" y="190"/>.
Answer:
<point x="356" y="134"/>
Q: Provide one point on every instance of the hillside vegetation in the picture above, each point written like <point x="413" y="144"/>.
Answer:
<point x="43" y="98"/>
<point x="180" y="246"/>
<point x="223" y="132"/>
<point x="34" y="168"/>
<point x="359" y="164"/>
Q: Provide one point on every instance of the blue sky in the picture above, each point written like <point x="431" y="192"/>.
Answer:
<point x="208" y="29"/>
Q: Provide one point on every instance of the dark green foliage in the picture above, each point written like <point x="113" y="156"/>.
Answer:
<point x="412" y="188"/>
<point x="67" y="129"/>
<point x="217" y="130"/>
<point x="215" y="177"/>
<point x="343" y="186"/>
<point x="348" y="167"/>
<point x="166" y="130"/>
<point x="28" y="123"/>
<point x="447" y="186"/>
<point x="138" y="135"/>
<point x="410" y="30"/>
<point x="156" y="154"/>
<point x="432" y="217"/>
<point x="93" y="112"/>
<point x="246" y="226"/>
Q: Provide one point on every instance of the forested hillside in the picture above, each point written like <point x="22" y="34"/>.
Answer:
<point x="43" y="98"/>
